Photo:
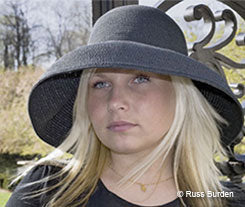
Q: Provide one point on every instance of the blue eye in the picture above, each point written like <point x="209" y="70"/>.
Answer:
<point x="141" y="79"/>
<point x="101" y="84"/>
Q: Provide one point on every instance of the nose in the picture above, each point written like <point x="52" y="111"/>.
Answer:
<point x="118" y="99"/>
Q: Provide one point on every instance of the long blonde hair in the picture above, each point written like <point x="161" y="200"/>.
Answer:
<point x="194" y="136"/>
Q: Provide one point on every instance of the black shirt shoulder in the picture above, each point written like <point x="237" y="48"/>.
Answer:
<point x="20" y="195"/>
<point x="101" y="194"/>
<point x="237" y="196"/>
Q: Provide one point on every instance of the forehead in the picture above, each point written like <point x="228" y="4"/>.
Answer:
<point x="119" y="71"/>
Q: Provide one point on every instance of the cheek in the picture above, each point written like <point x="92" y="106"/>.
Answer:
<point x="160" y="110"/>
<point x="95" y="109"/>
<point x="167" y="110"/>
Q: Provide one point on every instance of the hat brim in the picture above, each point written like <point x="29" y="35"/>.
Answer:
<point x="52" y="98"/>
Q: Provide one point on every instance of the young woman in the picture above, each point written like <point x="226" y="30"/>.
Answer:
<point x="141" y="119"/>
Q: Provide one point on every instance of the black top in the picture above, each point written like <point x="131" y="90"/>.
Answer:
<point x="102" y="197"/>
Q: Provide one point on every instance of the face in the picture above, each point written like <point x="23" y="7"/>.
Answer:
<point x="130" y="110"/>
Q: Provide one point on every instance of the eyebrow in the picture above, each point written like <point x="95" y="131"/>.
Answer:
<point x="152" y="75"/>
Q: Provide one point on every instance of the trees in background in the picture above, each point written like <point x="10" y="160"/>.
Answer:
<point x="29" y="36"/>
<point x="71" y="28"/>
<point x="48" y="31"/>
<point x="15" y="36"/>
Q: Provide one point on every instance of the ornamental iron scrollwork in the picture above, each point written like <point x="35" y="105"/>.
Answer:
<point x="240" y="39"/>
<point x="207" y="54"/>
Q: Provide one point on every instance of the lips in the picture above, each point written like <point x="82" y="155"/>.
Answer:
<point x="120" y="126"/>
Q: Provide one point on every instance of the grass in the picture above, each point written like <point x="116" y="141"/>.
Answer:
<point x="4" y="196"/>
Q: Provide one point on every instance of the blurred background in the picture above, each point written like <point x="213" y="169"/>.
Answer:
<point x="33" y="35"/>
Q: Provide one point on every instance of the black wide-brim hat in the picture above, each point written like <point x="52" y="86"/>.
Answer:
<point x="128" y="37"/>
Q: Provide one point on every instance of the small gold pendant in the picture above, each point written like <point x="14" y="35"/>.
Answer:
<point x="142" y="187"/>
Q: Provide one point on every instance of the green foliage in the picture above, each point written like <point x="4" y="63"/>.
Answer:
<point x="240" y="148"/>
<point x="4" y="196"/>
<point x="9" y="167"/>
<point x="16" y="133"/>
<point x="235" y="53"/>
<point x="4" y="178"/>
<point x="233" y="75"/>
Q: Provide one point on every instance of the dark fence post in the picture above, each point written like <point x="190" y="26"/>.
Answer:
<point x="100" y="7"/>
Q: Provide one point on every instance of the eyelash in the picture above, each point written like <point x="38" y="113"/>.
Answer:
<point x="144" y="76"/>
<point x="147" y="78"/>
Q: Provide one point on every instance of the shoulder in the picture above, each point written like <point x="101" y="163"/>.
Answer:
<point x="236" y="194"/>
<point x="41" y="171"/>
<point x="30" y="183"/>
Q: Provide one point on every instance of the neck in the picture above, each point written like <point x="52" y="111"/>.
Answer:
<point x="154" y="187"/>
<point x="123" y="163"/>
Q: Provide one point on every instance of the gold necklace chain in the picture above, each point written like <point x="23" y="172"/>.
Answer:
<point x="142" y="185"/>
